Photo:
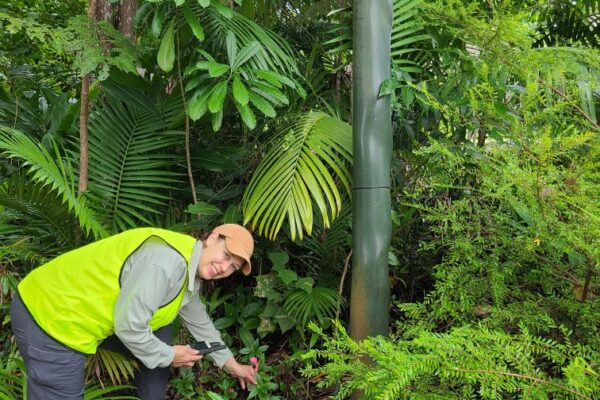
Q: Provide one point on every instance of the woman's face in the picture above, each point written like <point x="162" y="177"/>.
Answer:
<point x="216" y="261"/>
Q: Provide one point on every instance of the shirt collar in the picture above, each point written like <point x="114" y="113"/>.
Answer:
<point x="194" y="282"/>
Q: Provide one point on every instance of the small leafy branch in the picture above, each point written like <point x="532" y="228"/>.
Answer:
<point x="97" y="47"/>
<point x="293" y="301"/>
<point x="246" y="85"/>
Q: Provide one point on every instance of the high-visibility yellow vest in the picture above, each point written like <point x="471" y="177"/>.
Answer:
<point x="72" y="297"/>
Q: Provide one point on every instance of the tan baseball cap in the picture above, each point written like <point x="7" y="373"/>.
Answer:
<point x="239" y="242"/>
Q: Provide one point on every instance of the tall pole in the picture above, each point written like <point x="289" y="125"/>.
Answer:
<point x="372" y="136"/>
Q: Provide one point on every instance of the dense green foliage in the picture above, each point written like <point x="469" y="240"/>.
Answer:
<point x="497" y="222"/>
<point x="463" y="363"/>
<point x="494" y="265"/>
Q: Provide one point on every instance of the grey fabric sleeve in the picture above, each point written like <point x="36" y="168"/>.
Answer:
<point x="200" y="325"/>
<point x="151" y="277"/>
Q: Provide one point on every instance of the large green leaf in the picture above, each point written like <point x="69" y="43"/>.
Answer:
<point x="247" y="115"/>
<point x="259" y="64"/>
<point x="246" y="53"/>
<point x="198" y="104"/>
<point x="240" y="93"/>
<point x="261" y="104"/>
<point x="217" y="97"/>
<point x="166" y="52"/>
<point x="193" y="22"/>
<point x="304" y="166"/>
<point x="129" y="168"/>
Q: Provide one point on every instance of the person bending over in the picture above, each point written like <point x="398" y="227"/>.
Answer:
<point x="122" y="293"/>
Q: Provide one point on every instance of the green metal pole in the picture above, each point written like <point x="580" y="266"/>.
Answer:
<point x="372" y="132"/>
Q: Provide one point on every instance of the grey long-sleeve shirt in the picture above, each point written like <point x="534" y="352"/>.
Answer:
<point x="153" y="276"/>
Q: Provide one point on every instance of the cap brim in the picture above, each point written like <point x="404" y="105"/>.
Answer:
<point x="239" y="251"/>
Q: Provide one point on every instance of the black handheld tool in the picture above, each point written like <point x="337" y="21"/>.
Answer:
<point x="205" y="347"/>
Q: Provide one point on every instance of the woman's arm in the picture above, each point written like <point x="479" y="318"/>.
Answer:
<point x="151" y="277"/>
<point x="201" y="327"/>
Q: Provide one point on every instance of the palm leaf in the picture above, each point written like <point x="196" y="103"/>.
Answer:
<point x="338" y="47"/>
<point x="51" y="172"/>
<point x="329" y="245"/>
<point x="318" y="304"/>
<point x="94" y="392"/>
<point x="405" y="32"/>
<point x="128" y="164"/>
<point x="119" y="368"/>
<point x="39" y="213"/>
<point x="19" y="111"/>
<point x="304" y="165"/>
<point x="275" y="53"/>
<point x="12" y="379"/>
<point x="563" y="22"/>
<point x="315" y="10"/>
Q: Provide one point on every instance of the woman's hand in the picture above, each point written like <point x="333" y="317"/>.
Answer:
<point x="246" y="374"/>
<point x="185" y="356"/>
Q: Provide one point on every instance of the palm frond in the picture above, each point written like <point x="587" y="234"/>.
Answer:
<point x="22" y="113"/>
<point x="128" y="163"/>
<point x="94" y="392"/>
<point x="304" y="165"/>
<point x="116" y="367"/>
<point x="39" y="213"/>
<point x="330" y="245"/>
<point x="406" y="31"/>
<point x="565" y="21"/>
<point x="338" y="47"/>
<point x="12" y="379"/>
<point x="51" y="172"/>
<point x="320" y="8"/>
<point x="275" y="54"/>
<point x="318" y="304"/>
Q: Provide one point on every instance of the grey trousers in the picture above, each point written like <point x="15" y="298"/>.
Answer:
<point x="55" y="372"/>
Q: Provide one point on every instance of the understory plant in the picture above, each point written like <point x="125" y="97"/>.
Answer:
<point x="464" y="363"/>
<point x="517" y="229"/>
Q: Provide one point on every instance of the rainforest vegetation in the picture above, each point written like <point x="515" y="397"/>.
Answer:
<point x="185" y="114"/>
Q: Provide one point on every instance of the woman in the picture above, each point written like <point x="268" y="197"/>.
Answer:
<point x="123" y="293"/>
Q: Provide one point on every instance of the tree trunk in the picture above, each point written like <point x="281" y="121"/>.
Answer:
<point x="127" y="12"/>
<point x="83" y="120"/>
<point x="105" y="11"/>
<point x="372" y="135"/>
<point x="83" y="135"/>
<point x="481" y="136"/>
